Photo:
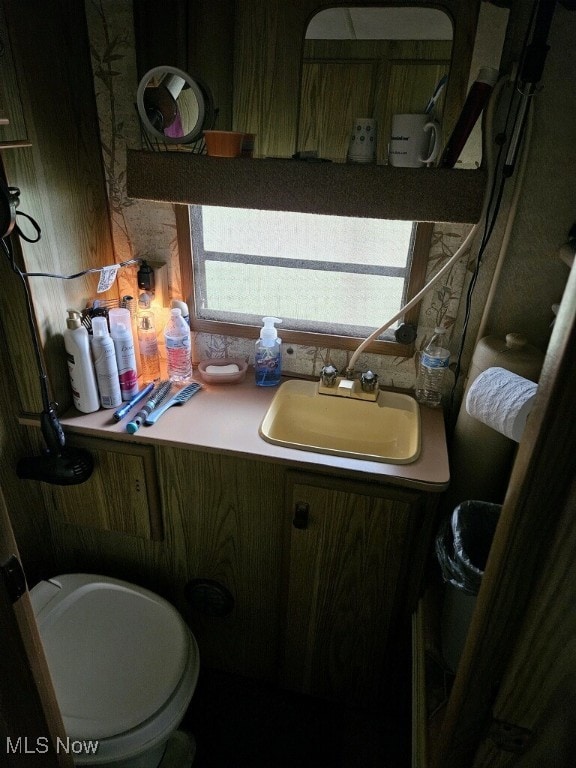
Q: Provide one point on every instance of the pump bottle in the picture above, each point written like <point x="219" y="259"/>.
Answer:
<point x="268" y="358"/>
<point x="80" y="368"/>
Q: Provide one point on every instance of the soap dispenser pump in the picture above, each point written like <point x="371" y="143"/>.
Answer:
<point x="268" y="359"/>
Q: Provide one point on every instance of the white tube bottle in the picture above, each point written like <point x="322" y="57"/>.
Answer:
<point x="121" y="332"/>
<point x="105" y="365"/>
<point x="80" y="368"/>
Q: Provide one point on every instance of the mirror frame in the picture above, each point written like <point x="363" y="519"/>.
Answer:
<point x="205" y="118"/>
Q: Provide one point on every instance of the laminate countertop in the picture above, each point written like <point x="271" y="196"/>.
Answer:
<point x="225" y="419"/>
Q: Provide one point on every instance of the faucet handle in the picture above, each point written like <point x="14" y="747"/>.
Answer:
<point x="369" y="381"/>
<point x="328" y="375"/>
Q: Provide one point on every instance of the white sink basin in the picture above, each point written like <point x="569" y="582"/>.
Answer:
<point x="386" y="430"/>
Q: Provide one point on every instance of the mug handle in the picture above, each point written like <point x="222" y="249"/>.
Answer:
<point x="435" y="128"/>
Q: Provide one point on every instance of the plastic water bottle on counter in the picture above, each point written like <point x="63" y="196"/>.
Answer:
<point x="178" y="348"/>
<point x="432" y="368"/>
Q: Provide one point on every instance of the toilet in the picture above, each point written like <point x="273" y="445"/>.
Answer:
<point x="124" y="666"/>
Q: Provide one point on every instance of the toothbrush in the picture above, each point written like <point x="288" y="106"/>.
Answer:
<point x="158" y="396"/>
<point x="436" y="95"/>
<point x="179" y="399"/>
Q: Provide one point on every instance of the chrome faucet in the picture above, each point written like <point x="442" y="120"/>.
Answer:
<point x="328" y="375"/>
<point x="331" y="383"/>
<point x="369" y="381"/>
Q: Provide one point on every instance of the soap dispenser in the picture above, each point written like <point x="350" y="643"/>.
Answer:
<point x="268" y="359"/>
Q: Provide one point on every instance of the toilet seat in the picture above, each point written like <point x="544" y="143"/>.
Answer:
<point x="123" y="662"/>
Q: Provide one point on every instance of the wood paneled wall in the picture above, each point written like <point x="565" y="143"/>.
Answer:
<point x="61" y="181"/>
<point x="62" y="186"/>
<point x="345" y="79"/>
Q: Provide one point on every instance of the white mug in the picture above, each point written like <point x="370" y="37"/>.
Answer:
<point x="362" y="145"/>
<point x="414" y="141"/>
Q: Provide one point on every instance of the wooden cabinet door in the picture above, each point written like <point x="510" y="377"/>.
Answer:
<point x="121" y="494"/>
<point x="224" y="527"/>
<point x="347" y="575"/>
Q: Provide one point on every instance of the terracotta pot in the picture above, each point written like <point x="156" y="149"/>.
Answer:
<point x="223" y="143"/>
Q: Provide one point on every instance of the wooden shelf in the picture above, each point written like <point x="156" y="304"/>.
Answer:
<point x="375" y="191"/>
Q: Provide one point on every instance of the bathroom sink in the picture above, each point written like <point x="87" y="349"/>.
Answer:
<point x="387" y="429"/>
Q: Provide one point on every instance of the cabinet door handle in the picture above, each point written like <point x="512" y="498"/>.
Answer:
<point x="301" y="513"/>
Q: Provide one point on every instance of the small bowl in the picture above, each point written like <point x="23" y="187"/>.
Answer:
<point x="223" y="143"/>
<point x="212" y="377"/>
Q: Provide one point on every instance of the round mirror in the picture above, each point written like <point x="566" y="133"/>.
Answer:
<point x="173" y="106"/>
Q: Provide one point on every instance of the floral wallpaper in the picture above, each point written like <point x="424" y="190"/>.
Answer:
<point x="148" y="230"/>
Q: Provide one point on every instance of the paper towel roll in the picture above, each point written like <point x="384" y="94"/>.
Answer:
<point x="501" y="400"/>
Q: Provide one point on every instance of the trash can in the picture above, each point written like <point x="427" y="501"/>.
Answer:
<point x="462" y="547"/>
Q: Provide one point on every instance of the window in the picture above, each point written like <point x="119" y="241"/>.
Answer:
<point x="332" y="279"/>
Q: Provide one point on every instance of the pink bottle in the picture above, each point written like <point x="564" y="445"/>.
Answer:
<point x="121" y="332"/>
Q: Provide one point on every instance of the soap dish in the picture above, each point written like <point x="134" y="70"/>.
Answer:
<point x="224" y="376"/>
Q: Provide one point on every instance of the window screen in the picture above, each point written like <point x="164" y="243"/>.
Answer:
<point x="324" y="274"/>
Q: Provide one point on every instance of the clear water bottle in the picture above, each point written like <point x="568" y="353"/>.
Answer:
<point x="432" y="369"/>
<point x="177" y="338"/>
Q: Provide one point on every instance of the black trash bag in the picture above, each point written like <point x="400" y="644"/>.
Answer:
<point x="463" y="544"/>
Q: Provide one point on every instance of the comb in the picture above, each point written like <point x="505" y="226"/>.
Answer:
<point x="179" y="399"/>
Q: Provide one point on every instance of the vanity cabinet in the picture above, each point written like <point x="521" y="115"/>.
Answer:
<point x="322" y="567"/>
<point x="351" y="577"/>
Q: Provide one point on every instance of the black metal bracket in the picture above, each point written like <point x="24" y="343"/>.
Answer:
<point x="14" y="578"/>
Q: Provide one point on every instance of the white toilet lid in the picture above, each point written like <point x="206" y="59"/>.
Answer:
<point x="116" y="652"/>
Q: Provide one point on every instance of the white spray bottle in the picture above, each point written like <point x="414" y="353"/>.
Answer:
<point x="105" y="365"/>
